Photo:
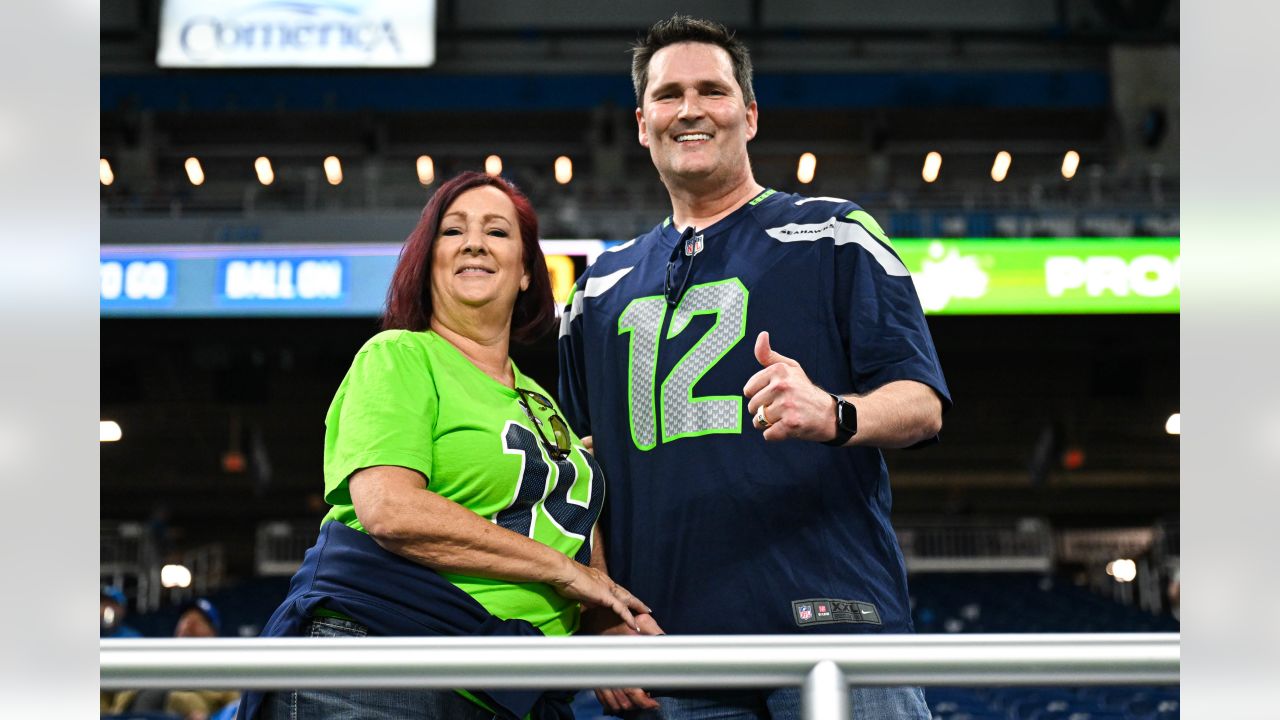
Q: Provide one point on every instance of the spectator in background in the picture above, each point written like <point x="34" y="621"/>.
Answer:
<point x="111" y="614"/>
<point x="198" y="618"/>
<point x="112" y="610"/>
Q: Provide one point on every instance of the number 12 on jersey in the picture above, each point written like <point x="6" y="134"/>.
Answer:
<point x="682" y="415"/>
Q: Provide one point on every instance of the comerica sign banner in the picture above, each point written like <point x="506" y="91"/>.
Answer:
<point x="1045" y="276"/>
<point x="952" y="277"/>
<point x="296" y="33"/>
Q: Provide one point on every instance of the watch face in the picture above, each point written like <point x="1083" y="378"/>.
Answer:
<point x="846" y="416"/>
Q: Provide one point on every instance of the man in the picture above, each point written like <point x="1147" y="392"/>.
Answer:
<point x="743" y="496"/>
<point x="112" y="609"/>
<point x="198" y="618"/>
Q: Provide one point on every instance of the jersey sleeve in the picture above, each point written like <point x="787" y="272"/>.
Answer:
<point x="384" y="413"/>
<point x="879" y="313"/>
<point x="573" y="380"/>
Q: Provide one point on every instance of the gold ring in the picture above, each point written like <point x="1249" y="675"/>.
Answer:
<point x="761" y="420"/>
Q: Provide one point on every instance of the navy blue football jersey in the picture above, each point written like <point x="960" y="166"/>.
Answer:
<point x="717" y="530"/>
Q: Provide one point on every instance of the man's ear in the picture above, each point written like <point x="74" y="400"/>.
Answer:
<point x="753" y="118"/>
<point x="643" y="128"/>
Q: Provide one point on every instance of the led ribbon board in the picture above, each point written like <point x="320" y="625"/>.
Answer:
<point x="277" y="280"/>
<point x="136" y="282"/>
<point x="952" y="277"/>
<point x="1045" y="276"/>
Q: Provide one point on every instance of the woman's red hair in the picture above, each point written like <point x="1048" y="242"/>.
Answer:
<point x="409" y="296"/>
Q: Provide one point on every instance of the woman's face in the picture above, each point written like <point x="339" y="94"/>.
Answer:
<point x="478" y="256"/>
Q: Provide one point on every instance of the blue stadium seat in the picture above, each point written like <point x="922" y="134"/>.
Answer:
<point x="1021" y="602"/>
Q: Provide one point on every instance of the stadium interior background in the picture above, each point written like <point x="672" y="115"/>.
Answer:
<point x="1055" y="458"/>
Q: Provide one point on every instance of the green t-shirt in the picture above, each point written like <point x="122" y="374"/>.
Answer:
<point x="412" y="399"/>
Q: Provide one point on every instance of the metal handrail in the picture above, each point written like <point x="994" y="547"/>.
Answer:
<point x="669" y="661"/>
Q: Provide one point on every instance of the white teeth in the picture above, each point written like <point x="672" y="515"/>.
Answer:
<point x="474" y="270"/>
<point x="692" y="136"/>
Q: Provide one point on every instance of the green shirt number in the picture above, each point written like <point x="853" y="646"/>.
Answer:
<point x="683" y="415"/>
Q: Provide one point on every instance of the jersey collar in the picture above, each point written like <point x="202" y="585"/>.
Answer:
<point x="670" y="233"/>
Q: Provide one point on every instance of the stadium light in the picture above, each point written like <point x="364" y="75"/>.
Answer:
<point x="262" y="166"/>
<point x="105" y="176"/>
<point x="806" y="168"/>
<point x="109" y="431"/>
<point x="564" y="169"/>
<point x="426" y="170"/>
<point x="1000" y="168"/>
<point x="333" y="170"/>
<point x="932" y="164"/>
<point x="195" y="173"/>
<point x="175" y="576"/>
<point x="493" y="165"/>
<point x="1070" y="164"/>
<point x="1173" y="425"/>
<point x="1123" y="570"/>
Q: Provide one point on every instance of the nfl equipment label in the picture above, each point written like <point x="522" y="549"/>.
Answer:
<point x="826" y="611"/>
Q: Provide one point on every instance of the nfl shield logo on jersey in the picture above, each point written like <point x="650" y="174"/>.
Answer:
<point x="693" y="245"/>
<point x="805" y="612"/>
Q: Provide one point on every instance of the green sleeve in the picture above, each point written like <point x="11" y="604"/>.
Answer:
<point x="383" y="414"/>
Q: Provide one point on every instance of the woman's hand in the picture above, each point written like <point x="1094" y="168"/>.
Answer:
<point x="593" y="588"/>
<point x="617" y="701"/>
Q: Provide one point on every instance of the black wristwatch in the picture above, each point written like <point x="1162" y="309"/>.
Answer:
<point x="846" y="421"/>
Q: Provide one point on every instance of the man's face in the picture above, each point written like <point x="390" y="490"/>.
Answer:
<point x="193" y="623"/>
<point x="110" y="613"/>
<point x="693" y="119"/>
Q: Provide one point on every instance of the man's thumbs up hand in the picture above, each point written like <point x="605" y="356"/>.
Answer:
<point x="782" y="400"/>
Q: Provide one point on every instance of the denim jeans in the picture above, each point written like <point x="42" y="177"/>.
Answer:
<point x="865" y="703"/>
<point x="366" y="704"/>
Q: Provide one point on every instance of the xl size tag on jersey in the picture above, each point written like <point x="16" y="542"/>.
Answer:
<point x="826" y="611"/>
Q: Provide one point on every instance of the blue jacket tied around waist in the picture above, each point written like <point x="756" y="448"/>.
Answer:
<point x="348" y="573"/>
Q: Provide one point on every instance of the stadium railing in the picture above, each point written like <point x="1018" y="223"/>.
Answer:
<point x="822" y="665"/>
<point x="1021" y="545"/>
<point x="280" y="545"/>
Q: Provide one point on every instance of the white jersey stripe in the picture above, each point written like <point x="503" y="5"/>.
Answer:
<point x="822" y="199"/>
<point x="595" y="287"/>
<point x="566" y="318"/>
<point x="623" y="246"/>
<point x="843" y="233"/>
<point x="599" y="286"/>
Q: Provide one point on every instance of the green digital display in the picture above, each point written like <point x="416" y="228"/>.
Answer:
<point x="1044" y="275"/>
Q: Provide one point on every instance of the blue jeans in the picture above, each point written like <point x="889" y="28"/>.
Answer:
<point x="366" y="704"/>
<point x="865" y="703"/>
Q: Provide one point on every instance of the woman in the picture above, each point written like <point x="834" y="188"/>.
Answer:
<point x="438" y="453"/>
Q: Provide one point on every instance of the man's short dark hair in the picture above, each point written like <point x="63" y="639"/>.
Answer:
<point x="680" y="29"/>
